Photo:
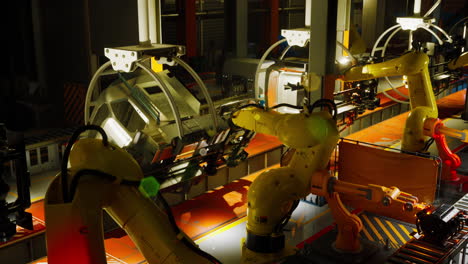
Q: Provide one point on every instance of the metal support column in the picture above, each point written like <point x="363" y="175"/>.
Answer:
<point x="241" y="28"/>
<point x="372" y="22"/>
<point x="273" y="30"/>
<point x="187" y="26"/>
<point x="154" y="19"/>
<point x="342" y="36"/>
<point x="323" y="42"/>
<point x="465" y="112"/>
<point x="342" y="26"/>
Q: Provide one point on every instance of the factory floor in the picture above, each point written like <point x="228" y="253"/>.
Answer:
<point x="216" y="220"/>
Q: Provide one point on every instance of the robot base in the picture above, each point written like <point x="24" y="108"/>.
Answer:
<point x="321" y="251"/>
<point x="250" y="257"/>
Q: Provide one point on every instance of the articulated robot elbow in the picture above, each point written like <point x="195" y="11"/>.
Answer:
<point x="298" y="131"/>
<point x="409" y="64"/>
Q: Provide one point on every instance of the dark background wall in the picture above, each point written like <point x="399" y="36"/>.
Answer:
<point x="54" y="43"/>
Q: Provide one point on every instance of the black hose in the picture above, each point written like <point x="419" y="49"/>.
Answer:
<point x="286" y="218"/>
<point x="77" y="177"/>
<point x="250" y="105"/>
<point x="103" y="175"/>
<point x="328" y="103"/>
<point x="184" y="239"/>
<point x="428" y="144"/>
<point x="456" y="24"/>
<point x="66" y="154"/>
<point x="287" y="105"/>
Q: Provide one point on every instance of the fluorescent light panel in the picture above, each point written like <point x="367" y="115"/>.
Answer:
<point x="116" y="132"/>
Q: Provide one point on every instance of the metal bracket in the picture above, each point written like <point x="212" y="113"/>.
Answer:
<point x="167" y="61"/>
<point x="296" y="37"/>
<point x="124" y="58"/>
<point x="413" y="23"/>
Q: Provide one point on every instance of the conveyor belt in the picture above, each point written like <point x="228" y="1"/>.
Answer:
<point x="462" y="204"/>
<point x="417" y="250"/>
<point x="124" y="251"/>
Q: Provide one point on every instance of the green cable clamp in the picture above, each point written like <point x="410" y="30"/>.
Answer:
<point x="149" y="186"/>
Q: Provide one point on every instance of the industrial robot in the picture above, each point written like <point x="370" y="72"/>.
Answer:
<point x="274" y="194"/>
<point x="102" y="175"/>
<point x="422" y="121"/>
<point x="97" y="173"/>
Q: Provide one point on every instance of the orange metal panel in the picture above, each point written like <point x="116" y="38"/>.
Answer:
<point x="363" y="164"/>
<point x="262" y="143"/>
<point x="390" y="131"/>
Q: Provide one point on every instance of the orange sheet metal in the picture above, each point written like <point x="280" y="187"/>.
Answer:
<point x="390" y="131"/>
<point x="262" y="143"/>
<point x="214" y="209"/>
<point x="364" y="164"/>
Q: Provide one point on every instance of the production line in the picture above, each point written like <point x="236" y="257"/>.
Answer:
<point x="299" y="167"/>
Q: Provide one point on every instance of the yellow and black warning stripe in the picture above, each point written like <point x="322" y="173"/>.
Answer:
<point x="381" y="229"/>
<point x="74" y="99"/>
<point x="462" y="204"/>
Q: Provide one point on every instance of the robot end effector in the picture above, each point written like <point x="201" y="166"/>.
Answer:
<point x="372" y="192"/>
<point x="348" y="224"/>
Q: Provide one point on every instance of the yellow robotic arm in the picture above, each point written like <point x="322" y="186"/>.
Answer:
<point x="273" y="194"/>
<point x="461" y="61"/>
<point x="414" y="66"/>
<point x="103" y="176"/>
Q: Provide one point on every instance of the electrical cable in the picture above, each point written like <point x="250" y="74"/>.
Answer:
<point x="250" y="105"/>
<point x="428" y="144"/>
<point x="395" y="89"/>
<point x="103" y="175"/>
<point x="66" y="154"/>
<point x="394" y="99"/>
<point x="287" y="105"/>
<point x="79" y="174"/>
<point x="68" y="196"/>
<point x="333" y="109"/>
<point x="456" y="24"/>
<point x="111" y="178"/>
<point x="286" y="218"/>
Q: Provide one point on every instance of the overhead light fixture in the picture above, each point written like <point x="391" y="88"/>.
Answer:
<point x="116" y="132"/>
